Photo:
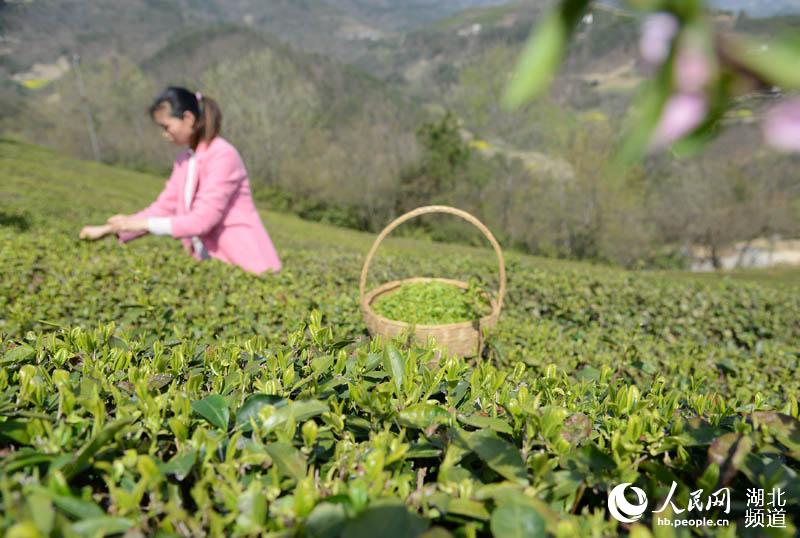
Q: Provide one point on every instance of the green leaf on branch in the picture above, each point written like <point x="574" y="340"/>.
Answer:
<point x="459" y="506"/>
<point x="645" y="114"/>
<point x="386" y="518"/>
<point x="517" y="521"/>
<point x="82" y="459"/>
<point x="492" y="423"/>
<point x="499" y="454"/>
<point x="101" y="526"/>
<point x="214" y="409"/>
<point x="77" y="508"/>
<point x="326" y="520"/>
<point x="395" y="365"/>
<point x="300" y="411"/>
<point x="784" y="428"/>
<point x="253" y="405"/>
<point x="180" y="465"/>
<point x="774" y="63"/>
<point x="543" y="53"/>
<point x="15" y="431"/>
<point x="288" y="460"/>
<point x="423" y="415"/>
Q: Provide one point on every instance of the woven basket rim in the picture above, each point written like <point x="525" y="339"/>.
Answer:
<point x="497" y="305"/>
<point x="366" y="305"/>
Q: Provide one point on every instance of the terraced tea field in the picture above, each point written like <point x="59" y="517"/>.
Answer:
<point x="145" y="394"/>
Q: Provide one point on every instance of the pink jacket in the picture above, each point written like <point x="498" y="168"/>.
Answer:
<point x="222" y="212"/>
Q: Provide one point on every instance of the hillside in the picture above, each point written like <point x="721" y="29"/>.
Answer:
<point x="146" y="392"/>
<point x="404" y="14"/>
<point x="40" y="31"/>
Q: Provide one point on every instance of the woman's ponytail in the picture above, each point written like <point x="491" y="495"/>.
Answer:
<point x="208" y="116"/>
<point x="209" y="121"/>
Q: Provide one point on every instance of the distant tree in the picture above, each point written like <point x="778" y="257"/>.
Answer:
<point x="713" y="203"/>
<point x="445" y="156"/>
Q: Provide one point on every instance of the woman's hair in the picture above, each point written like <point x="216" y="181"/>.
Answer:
<point x="206" y="111"/>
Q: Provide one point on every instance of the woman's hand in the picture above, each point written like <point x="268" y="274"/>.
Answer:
<point x="126" y="223"/>
<point x="94" y="232"/>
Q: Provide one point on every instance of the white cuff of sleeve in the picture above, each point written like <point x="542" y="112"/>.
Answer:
<point x="159" y="225"/>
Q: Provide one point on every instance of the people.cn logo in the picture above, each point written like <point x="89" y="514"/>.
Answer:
<point x="621" y="509"/>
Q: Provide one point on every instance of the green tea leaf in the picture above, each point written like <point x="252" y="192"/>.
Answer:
<point x="326" y="520"/>
<point x="785" y="428"/>
<point x="18" y="355"/>
<point x="697" y="432"/>
<point x="82" y="459"/>
<point x="253" y="405"/>
<point x="15" y="431"/>
<point x="101" y="526"/>
<point x="27" y="457"/>
<point x="289" y="460"/>
<point x="300" y="410"/>
<point x="252" y="507"/>
<point x="492" y="423"/>
<point x="159" y="381"/>
<point x="423" y="415"/>
<point x="386" y="518"/>
<point x="766" y="471"/>
<point x="499" y="454"/>
<point x="458" y="506"/>
<point x="433" y="303"/>
<point x="41" y="508"/>
<point x="180" y="465"/>
<point x="394" y="363"/>
<point x="77" y="508"/>
<point x="517" y="521"/>
<point x="214" y="409"/>
<point x="729" y="452"/>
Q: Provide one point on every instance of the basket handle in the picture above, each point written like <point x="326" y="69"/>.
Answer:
<point x="437" y="209"/>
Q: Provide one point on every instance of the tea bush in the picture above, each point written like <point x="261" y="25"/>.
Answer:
<point x="143" y="393"/>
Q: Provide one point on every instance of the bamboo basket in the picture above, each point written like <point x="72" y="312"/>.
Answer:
<point x="462" y="338"/>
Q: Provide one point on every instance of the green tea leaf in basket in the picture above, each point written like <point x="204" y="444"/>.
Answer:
<point x="432" y="303"/>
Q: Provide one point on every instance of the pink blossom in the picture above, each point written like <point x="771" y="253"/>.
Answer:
<point x="682" y="114"/>
<point x="782" y="126"/>
<point x="692" y="69"/>
<point x="658" y="30"/>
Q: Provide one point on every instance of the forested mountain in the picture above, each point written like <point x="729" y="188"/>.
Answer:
<point x="40" y="30"/>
